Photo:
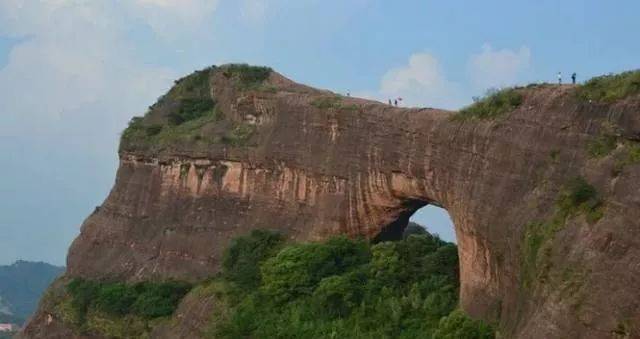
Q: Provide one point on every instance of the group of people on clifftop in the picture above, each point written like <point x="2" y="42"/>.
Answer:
<point x="573" y="81"/>
<point x="573" y="78"/>
<point x="395" y="102"/>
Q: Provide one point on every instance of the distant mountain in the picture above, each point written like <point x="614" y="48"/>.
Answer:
<point x="21" y="285"/>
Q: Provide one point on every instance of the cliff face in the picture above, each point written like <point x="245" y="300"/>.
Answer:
<point x="310" y="164"/>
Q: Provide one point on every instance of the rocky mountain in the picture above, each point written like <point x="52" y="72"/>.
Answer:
<point x="21" y="286"/>
<point x="541" y="183"/>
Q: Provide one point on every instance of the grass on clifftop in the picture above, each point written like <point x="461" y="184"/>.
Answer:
<point x="492" y="105"/>
<point x="610" y="88"/>
<point x="188" y="114"/>
<point x="249" y="77"/>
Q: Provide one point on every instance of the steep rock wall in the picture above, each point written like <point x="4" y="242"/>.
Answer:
<point x="355" y="167"/>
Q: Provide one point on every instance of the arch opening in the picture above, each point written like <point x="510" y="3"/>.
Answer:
<point x="436" y="220"/>
<point x="417" y="213"/>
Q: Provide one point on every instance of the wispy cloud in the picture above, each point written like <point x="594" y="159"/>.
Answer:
<point x="498" y="68"/>
<point x="423" y="82"/>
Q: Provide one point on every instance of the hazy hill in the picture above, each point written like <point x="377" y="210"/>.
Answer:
<point x="21" y="285"/>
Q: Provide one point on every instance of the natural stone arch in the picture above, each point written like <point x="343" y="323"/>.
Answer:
<point x="354" y="166"/>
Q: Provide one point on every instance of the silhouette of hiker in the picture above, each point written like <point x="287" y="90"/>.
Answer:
<point x="573" y="78"/>
<point x="395" y="102"/>
<point x="559" y="78"/>
<point x="389" y="102"/>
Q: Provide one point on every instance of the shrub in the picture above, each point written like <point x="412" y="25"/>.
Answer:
<point x="457" y="325"/>
<point x="343" y="288"/>
<point x="155" y="300"/>
<point x="327" y="102"/>
<point x="239" y="135"/>
<point x="494" y="104"/>
<point x="413" y="229"/>
<point x="629" y="156"/>
<point x="601" y="146"/>
<point x="609" y="88"/>
<point x="153" y="130"/>
<point x="188" y="101"/>
<point x="147" y="299"/>
<point x="578" y="195"/>
<point x="336" y="296"/>
<point x="249" y="76"/>
<point x="241" y="261"/>
<point x="115" y="298"/>
<point x="296" y="269"/>
<point x="191" y="109"/>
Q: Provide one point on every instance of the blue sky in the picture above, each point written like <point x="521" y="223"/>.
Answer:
<point x="72" y="73"/>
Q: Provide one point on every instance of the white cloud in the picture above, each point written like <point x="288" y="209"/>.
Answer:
<point x="171" y="19"/>
<point x="498" y="68"/>
<point x="75" y="56"/>
<point x="420" y="82"/>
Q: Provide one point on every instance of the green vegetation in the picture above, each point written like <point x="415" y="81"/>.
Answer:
<point x="178" y="115"/>
<point x="119" y="309"/>
<point x="332" y="102"/>
<point x="456" y="326"/>
<point x="327" y="102"/>
<point x="239" y="135"/>
<point x="625" y="152"/>
<point x="340" y="288"/>
<point x="162" y="135"/>
<point x="494" y="104"/>
<point x="629" y="155"/>
<point x="7" y="335"/>
<point x="576" y="197"/>
<point x="241" y="262"/>
<point x="191" y="109"/>
<point x="250" y="77"/>
<point x="413" y="229"/>
<point x="188" y="114"/>
<point x="609" y="88"/>
<point x="602" y="145"/>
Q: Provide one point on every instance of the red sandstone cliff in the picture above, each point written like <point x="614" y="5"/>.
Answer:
<point x="312" y="165"/>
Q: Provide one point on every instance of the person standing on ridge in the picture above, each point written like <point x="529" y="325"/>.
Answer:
<point x="395" y="102"/>
<point x="559" y="78"/>
<point x="573" y="78"/>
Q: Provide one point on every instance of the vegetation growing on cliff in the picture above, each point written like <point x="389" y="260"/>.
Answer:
<point x="494" y="104"/>
<point x="577" y="197"/>
<point x="342" y="288"/>
<point x="250" y="77"/>
<point x="602" y="145"/>
<point x="625" y="151"/>
<point x="118" y="310"/>
<point x="177" y="115"/>
<point x="333" y="102"/>
<point x="609" y="88"/>
<point x="188" y="114"/>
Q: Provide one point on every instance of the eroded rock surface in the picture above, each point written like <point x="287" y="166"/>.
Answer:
<point x="315" y="165"/>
